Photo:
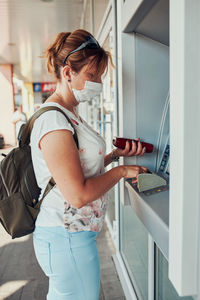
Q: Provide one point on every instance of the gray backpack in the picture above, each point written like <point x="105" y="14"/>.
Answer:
<point x="19" y="192"/>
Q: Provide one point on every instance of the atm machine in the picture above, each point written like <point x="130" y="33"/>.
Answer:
<point x="151" y="90"/>
<point x="152" y="203"/>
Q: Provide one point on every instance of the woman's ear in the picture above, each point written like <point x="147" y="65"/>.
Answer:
<point x="66" y="72"/>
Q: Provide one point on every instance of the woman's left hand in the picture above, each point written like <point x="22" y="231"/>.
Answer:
<point x="135" y="150"/>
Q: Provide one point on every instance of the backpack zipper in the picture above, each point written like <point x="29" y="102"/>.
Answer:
<point x="4" y="183"/>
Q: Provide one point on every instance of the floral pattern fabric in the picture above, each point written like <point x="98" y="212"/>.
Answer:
<point x="89" y="217"/>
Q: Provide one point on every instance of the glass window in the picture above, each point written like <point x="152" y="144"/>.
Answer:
<point x="106" y="121"/>
<point x="165" y="289"/>
<point x="134" y="250"/>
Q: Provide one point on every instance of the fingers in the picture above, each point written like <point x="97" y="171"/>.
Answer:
<point x="141" y="170"/>
<point x="134" y="180"/>
<point x="134" y="148"/>
<point x="137" y="149"/>
<point x="133" y="171"/>
<point x="127" y="147"/>
<point x="140" y="151"/>
<point x="143" y="151"/>
<point x="144" y="169"/>
<point x="130" y="149"/>
<point x="127" y="150"/>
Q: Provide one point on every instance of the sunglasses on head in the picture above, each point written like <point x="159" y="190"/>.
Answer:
<point x="90" y="43"/>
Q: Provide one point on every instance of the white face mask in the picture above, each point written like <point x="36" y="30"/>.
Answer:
<point x="91" y="90"/>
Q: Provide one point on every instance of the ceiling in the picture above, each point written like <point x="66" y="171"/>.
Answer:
<point x="27" y="27"/>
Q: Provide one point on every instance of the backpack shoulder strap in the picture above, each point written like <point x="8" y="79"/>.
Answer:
<point x="25" y="131"/>
<point x="24" y="139"/>
<point x="49" y="186"/>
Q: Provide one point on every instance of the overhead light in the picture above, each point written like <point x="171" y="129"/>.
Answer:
<point x="46" y="0"/>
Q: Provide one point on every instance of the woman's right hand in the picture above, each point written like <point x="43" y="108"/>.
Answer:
<point x="132" y="171"/>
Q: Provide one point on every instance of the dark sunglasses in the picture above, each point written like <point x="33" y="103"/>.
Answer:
<point x="90" y="43"/>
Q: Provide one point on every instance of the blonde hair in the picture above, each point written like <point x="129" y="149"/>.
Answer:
<point x="66" y="42"/>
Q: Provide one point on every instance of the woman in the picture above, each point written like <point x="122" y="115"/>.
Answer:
<point x="72" y="214"/>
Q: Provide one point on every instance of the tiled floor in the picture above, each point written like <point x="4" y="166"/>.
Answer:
<point x="110" y="285"/>
<point x="22" y="279"/>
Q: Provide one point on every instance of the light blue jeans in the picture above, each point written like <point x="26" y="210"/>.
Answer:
<point x="71" y="262"/>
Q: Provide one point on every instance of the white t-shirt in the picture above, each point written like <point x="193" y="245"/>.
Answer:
<point x="55" y="209"/>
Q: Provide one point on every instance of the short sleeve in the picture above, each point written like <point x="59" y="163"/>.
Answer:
<point x="47" y="122"/>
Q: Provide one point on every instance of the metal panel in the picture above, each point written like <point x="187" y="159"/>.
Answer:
<point x="133" y="12"/>
<point x="153" y="213"/>
<point x="155" y="24"/>
<point x="151" y="275"/>
<point x="149" y="18"/>
<point x="184" y="134"/>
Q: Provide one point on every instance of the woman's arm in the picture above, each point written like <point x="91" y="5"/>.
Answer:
<point x="62" y="158"/>
<point x="110" y="158"/>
